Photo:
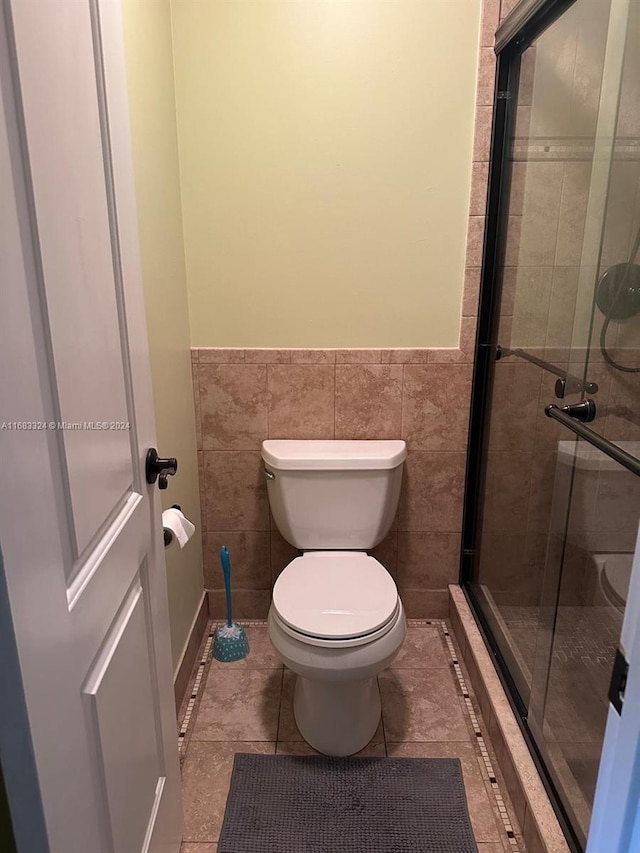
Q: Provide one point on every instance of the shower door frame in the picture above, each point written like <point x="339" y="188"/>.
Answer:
<point x="525" y="23"/>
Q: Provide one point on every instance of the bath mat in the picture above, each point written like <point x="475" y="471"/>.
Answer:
<point x="316" y="804"/>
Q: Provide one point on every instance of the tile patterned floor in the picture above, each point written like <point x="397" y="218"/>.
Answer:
<point x="247" y="706"/>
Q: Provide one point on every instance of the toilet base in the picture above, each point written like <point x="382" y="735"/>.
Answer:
<point x="337" y="718"/>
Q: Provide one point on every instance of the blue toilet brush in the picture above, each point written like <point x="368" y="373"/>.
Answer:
<point x="230" y="641"/>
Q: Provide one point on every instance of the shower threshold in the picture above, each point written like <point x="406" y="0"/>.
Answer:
<point x="534" y="809"/>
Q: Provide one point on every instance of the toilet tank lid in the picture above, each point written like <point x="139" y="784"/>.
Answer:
<point x="330" y="455"/>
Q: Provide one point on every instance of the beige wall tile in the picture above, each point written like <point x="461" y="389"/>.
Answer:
<point x="489" y="23"/>
<point x="233" y="405"/>
<point x="435" y="406"/>
<point x="508" y="479"/>
<point x="358" y="356"/>
<point x="368" y="401"/>
<point x="301" y="401"/>
<point x="471" y="293"/>
<point x="405" y="356"/>
<point x="506" y="6"/>
<point x="527" y="75"/>
<point x="267" y="356"/>
<point x="475" y="241"/>
<point x="479" y="185"/>
<point x="514" y="405"/>
<point x="196" y="404"/>
<point x="573" y="212"/>
<point x="482" y="134"/>
<point x="428" y="560"/>
<point x="313" y="356"/>
<point x="425" y="603"/>
<point x="432" y="499"/>
<point x="249" y="553"/>
<point x="562" y="304"/>
<point x="202" y="483"/>
<point x="531" y="307"/>
<point x="486" y="77"/>
<point x="220" y="355"/>
<point x="247" y="604"/>
<point x="235" y="491"/>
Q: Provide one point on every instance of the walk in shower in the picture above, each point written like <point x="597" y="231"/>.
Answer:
<point x="553" y="496"/>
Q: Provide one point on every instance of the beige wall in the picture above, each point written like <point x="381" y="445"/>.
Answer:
<point x="151" y="92"/>
<point x="325" y="153"/>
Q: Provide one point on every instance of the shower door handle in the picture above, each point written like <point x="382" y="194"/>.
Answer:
<point x="607" y="447"/>
<point x="584" y="411"/>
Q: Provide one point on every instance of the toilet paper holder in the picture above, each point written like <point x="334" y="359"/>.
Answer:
<point x="168" y="535"/>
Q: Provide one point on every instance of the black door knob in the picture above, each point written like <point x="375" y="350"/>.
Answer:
<point x="157" y="468"/>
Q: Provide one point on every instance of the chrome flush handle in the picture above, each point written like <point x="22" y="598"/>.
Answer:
<point x="269" y="474"/>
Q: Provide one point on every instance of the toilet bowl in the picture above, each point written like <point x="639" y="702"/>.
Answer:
<point x="336" y="619"/>
<point x="614" y="576"/>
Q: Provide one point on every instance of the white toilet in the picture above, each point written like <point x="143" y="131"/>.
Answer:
<point x="336" y="618"/>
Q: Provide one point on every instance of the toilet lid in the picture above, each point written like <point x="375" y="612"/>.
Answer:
<point x="335" y="594"/>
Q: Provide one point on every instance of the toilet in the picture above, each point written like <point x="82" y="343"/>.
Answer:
<point x="336" y="619"/>
<point x="614" y="575"/>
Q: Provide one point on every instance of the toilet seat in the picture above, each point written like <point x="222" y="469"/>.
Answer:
<point x="335" y="598"/>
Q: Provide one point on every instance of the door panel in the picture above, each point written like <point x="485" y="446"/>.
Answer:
<point x="66" y="160"/>
<point x="122" y="700"/>
<point x="81" y="531"/>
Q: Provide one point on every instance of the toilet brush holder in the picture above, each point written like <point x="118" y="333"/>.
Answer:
<point x="230" y="642"/>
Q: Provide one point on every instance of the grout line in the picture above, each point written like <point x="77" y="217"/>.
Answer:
<point x="491" y="776"/>
<point x="279" y="709"/>
<point x="384" y="732"/>
<point x="197" y="684"/>
<point x="335" y="366"/>
<point x="202" y="669"/>
<point x="205" y="659"/>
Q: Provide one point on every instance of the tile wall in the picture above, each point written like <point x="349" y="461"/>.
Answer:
<point x="244" y="396"/>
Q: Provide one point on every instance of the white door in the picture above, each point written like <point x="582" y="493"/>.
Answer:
<point x="615" y="821"/>
<point x="87" y="722"/>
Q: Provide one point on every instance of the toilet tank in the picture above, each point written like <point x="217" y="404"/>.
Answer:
<point x="333" y="494"/>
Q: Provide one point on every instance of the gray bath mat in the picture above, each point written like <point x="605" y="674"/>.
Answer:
<point x="316" y="804"/>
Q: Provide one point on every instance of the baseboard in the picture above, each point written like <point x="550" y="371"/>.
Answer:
<point x="188" y="657"/>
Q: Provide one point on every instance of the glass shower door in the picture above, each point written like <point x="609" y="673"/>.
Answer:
<point x="555" y="521"/>
<point x="596" y="501"/>
<point x="539" y="339"/>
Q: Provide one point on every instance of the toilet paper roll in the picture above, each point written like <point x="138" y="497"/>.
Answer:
<point x="180" y="528"/>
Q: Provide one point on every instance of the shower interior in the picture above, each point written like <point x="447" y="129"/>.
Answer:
<point x="551" y="521"/>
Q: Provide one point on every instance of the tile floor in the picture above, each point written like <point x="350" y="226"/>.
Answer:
<point x="247" y="707"/>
